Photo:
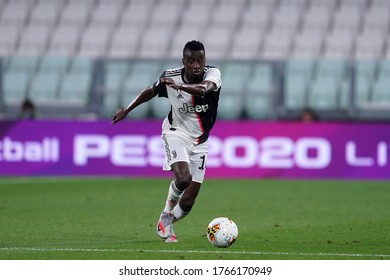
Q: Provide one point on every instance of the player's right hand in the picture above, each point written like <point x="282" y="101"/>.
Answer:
<point x="119" y="115"/>
<point x="171" y="83"/>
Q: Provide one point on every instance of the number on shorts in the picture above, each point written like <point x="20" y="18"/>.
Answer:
<point x="203" y="160"/>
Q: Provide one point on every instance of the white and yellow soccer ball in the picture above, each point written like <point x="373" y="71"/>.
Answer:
<point x="222" y="232"/>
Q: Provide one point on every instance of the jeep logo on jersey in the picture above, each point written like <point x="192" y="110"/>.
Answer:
<point x="191" y="109"/>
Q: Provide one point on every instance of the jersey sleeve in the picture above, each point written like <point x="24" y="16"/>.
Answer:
<point x="214" y="75"/>
<point x="159" y="88"/>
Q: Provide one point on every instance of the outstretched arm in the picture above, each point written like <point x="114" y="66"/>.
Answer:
<point x="143" y="97"/>
<point x="200" y="89"/>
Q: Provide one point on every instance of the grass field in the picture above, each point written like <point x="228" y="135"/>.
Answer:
<point x="114" y="218"/>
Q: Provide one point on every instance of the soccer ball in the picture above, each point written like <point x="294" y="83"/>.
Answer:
<point x="222" y="232"/>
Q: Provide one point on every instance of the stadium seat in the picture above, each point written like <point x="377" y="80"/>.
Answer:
<point x="258" y="106"/>
<point x="33" y="40"/>
<point x="331" y="67"/>
<point x="381" y="92"/>
<point x="182" y="36"/>
<point x="45" y="13"/>
<point x="124" y="42"/>
<point x="323" y="93"/>
<point x="296" y="91"/>
<point x="94" y="41"/>
<point x="344" y="98"/>
<point x="66" y="36"/>
<point x="338" y="45"/>
<point x="115" y="74"/>
<point x="143" y="74"/>
<point x="365" y="72"/>
<point x="381" y="87"/>
<point x="15" y="87"/>
<point x="261" y="79"/>
<point x="241" y="18"/>
<point x="287" y="17"/>
<point x="277" y="45"/>
<point x="362" y="4"/>
<point x="195" y="17"/>
<point x="347" y="18"/>
<point x="380" y="4"/>
<point x="317" y="18"/>
<point x="164" y="8"/>
<point x="256" y="16"/>
<point x="235" y="76"/>
<point x="58" y="64"/>
<point x="74" y="88"/>
<point x="64" y="40"/>
<point x="387" y="49"/>
<point x="363" y="90"/>
<point x="231" y="106"/>
<point x="106" y="13"/>
<point x="16" y="13"/>
<point x="246" y="43"/>
<point x="81" y="65"/>
<point x="300" y="18"/>
<point x="266" y="4"/>
<point x="135" y="14"/>
<point x="369" y="45"/>
<point x="160" y="107"/>
<point x="76" y="13"/>
<point x="231" y="3"/>
<point x="307" y="45"/>
<point x="110" y="103"/>
<point x="226" y="15"/>
<point x="259" y="92"/>
<point x="203" y="3"/>
<point x="141" y="111"/>
<point x="155" y="42"/>
<point x="325" y="87"/>
<point x="328" y="4"/>
<point x="377" y="19"/>
<point x="300" y="4"/>
<point x="44" y="87"/>
<point x="113" y="83"/>
<point x="217" y="49"/>
<point x="9" y="37"/>
<point x="24" y="63"/>
<point x="300" y="66"/>
<point x="298" y="73"/>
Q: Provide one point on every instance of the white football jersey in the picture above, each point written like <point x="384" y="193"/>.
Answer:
<point x="191" y="116"/>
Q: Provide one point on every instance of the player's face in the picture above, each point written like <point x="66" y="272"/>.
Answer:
<point x="194" y="62"/>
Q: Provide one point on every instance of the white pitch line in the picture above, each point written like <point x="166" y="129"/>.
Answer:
<point x="195" y="252"/>
<point x="48" y="180"/>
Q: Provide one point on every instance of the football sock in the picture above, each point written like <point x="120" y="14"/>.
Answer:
<point x="173" y="197"/>
<point x="178" y="213"/>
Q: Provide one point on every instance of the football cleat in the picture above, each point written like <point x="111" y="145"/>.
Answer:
<point x="164" y="226"/>
<point x="171" y="239"/>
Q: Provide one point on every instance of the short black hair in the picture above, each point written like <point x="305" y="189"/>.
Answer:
<point x="193" y="46"/>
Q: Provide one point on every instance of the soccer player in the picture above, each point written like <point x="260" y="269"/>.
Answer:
<point x="193" y="91"/>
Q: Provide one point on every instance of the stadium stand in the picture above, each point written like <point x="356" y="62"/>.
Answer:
<point x="364" y="73"/>
<point x="49" y="50"/>
<point x="298" y="74"/>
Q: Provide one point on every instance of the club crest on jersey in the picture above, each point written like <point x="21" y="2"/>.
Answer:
<point x="192" y="109"/>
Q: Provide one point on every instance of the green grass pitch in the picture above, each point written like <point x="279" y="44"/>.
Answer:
<point x="115" y="218"/>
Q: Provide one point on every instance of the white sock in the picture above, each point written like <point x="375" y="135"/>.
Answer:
<point x="173" y="197"/>
<point x="178" y="213"/>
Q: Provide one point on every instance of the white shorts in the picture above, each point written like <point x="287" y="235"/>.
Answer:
<point x="179" y="149"/>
